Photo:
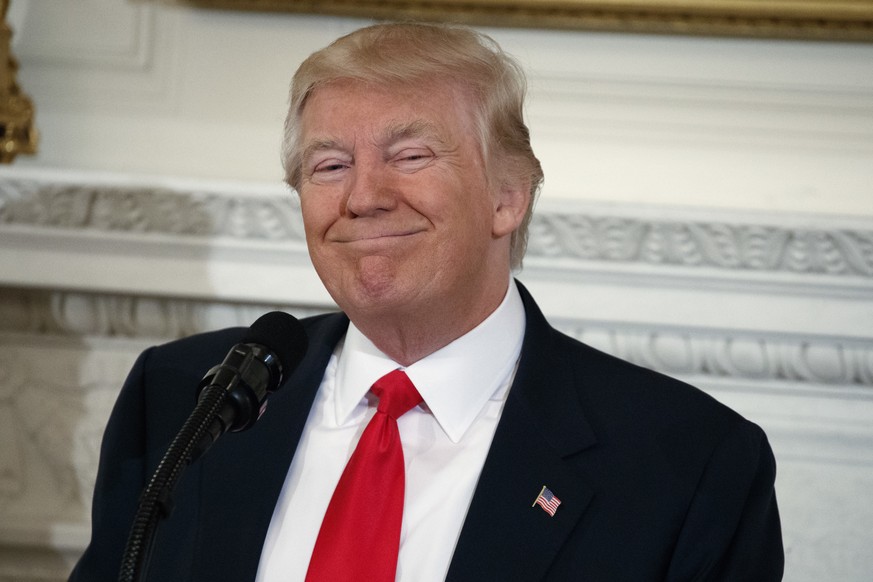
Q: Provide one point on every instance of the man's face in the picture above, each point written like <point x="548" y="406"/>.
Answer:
<point x="399" y="215"/>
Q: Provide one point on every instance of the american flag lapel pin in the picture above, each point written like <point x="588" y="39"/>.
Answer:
<point x="547" y="500"/>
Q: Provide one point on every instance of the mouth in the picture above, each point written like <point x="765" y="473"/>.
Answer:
<point x="377" y="237"/>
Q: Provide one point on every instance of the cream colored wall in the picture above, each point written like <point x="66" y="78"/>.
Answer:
<point x="736" y="123"/>
<point x="707" y="212"/>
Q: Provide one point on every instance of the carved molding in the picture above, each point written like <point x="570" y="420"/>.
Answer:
<point x="55" y="397"/>
<point x="566" y="243"/>
<point x="755" y="359"/>
<point x="52" y="434"/>
<point x="143" y="209"/>
<point x="742" y="357"/>
<point x="76" y="314"/>
<point x="720" y="245"/>
<point x="568" y="236"/>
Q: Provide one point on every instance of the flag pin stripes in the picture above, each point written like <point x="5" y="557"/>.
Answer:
<point x="547" y="500"/>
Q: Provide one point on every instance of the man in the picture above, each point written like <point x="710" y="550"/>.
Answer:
<point x="529" y="457"/>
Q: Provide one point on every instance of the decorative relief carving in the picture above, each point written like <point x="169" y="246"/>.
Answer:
<point x="702" y="244"/>
<point x="159" y="319"/>
<point x="567" y="236"/>
<point x="148" y="210"/>
<point x="572" y="238"/>
<point x="11" y="457"/>
<point x="820" y="361"/>
<point x="765" y="359"/>
<point x="51" y="437"/>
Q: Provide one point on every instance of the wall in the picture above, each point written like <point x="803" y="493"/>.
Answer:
<point x="707" y="212"/>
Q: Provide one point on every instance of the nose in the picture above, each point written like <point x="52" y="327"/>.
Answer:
<point x="370" y="190"/>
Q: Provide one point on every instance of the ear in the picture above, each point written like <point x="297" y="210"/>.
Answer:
<point x="510" y="205"/>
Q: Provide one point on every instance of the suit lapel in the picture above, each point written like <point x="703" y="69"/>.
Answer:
<point x="242" y="476"/>
<point x="504" y="537"/>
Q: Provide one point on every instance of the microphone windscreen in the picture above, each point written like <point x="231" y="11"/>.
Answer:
<point x="282" y="334"/>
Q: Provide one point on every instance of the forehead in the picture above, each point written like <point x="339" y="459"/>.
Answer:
<point x="347" y="106"/>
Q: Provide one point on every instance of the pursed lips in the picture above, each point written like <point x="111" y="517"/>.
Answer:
<point x="378" y="236"/>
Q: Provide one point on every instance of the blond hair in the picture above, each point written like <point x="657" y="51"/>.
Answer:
<point x="408" y="54"/>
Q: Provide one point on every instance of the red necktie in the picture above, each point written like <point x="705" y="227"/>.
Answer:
<point x="360" y="535"/>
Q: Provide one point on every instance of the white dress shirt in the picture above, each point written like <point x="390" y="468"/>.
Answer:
<point x="445" y="442"/>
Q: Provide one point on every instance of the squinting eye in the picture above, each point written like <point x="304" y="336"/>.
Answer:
<point x="413" y="158"/>
<point x="329" y="166"/>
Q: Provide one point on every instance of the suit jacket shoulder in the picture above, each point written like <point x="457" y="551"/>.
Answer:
<point x="656" y="479"/>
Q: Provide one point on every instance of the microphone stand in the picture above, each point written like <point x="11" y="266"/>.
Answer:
<point x="155" y="501"/>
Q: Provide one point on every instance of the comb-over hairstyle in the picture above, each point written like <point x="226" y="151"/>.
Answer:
<point x="409" y="54"/>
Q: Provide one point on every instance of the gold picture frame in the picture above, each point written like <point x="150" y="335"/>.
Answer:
<point x="844" y="20"/>
<point x="17" y="132"/>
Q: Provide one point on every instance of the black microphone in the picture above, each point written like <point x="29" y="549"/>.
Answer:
<point x="270" y="350"/>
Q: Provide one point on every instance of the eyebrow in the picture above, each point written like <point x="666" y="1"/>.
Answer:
<point x="394" y="133"/>
<point x="416" y="128"/>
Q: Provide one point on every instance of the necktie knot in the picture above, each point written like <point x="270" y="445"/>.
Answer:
<point x="397" y="394"/>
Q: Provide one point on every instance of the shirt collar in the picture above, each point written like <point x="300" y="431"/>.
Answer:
<point x="455" y="381"/>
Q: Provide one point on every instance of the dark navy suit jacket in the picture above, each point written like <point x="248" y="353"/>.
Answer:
<point x="657" y="480"/>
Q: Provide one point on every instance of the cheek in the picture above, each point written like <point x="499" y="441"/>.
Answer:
<point x="463" y="198"/>
<point x="316" y="214"/>
<point x="478" y="211"/>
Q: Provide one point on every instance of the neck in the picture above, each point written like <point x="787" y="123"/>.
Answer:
<point x="407" y="337"/>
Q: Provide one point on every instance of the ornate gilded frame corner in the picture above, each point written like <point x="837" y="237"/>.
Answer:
<point x="17" y="132"/>
<point x="845" y="20"/>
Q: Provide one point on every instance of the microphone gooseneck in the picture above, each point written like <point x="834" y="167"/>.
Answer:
<point x="231" y="397"/>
